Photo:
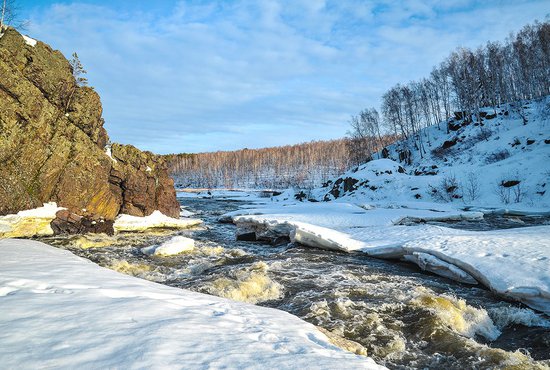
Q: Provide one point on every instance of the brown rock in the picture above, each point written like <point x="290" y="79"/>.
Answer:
<point x="70" y="223"/>
<point x="144" y="180"/>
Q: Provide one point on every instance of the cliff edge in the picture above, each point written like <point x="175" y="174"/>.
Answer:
<point x="53" y="147"/>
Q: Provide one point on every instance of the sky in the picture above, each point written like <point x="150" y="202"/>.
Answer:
<point x="195" y="76"/>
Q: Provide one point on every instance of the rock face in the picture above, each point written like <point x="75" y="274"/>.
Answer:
<point x="52" y="144"/>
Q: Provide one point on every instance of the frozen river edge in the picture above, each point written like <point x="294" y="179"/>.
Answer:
<point x="62" y="311"/>
<point x="513" y="263"/>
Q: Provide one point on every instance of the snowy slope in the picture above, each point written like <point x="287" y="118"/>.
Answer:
<point x="504" y="162"/>
<point x="61" y="311"/>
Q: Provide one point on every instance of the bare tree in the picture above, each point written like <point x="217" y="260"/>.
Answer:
<point x="9" y="15"/>
<point x="364" y="133"/>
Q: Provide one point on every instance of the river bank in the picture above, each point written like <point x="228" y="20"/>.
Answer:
<point x="403" y="317"/>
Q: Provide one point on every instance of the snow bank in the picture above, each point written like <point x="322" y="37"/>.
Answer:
<point x="514" y="263"/>
<point x="347" y="227"/>
<point x="29" y="223"/>
<point x="154" y="221"/>
<point x="176" y="245"/>
<point x="469" y="163"/>
<point x="61" y="311"/>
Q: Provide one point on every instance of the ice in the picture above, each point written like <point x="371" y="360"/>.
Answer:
<point x="433" y="264"/>
<point x="513" y="263"/>
<point x="29" y="223"/>
<point x="185" y="213"/>
<point x="176" y="245"/>
<point x="109" y="320"/>
<point x="155" y="220"/>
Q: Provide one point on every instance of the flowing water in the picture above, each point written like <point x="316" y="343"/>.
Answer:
<point x="400" y="316"/>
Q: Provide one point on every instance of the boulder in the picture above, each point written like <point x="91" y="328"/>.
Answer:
<point x="52" y="145"/>
<point x="144" y="180"/>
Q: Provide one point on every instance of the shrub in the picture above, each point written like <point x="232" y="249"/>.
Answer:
<point x="447" y="190"/>
<point x="497" y="156"/>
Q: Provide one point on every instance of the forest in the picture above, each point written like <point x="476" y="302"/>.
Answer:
<point x="303" y="165"/>
<point x="466" y="81"/>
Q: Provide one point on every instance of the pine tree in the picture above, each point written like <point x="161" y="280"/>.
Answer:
<point x="78" y="70"/>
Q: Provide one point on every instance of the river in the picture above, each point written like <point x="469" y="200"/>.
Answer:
<point x="404" y="318"/>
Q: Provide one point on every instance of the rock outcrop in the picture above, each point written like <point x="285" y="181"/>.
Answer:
<point x="53" y="145"/>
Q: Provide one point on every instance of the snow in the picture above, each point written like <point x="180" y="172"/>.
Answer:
<point x="249" y="195"/>
<point x="61" y="311"/>
<point x="156" y="219"/>
<point x="109" y="153"/>
<point x="28" y="223"/>
<point x="513" y="263"/>
<point x="29" y="41"/>
<point x="176" y="245"/>
<point x="428" y="262"/>
<point x="48" y="210"/>
<point x="501" y="149"/>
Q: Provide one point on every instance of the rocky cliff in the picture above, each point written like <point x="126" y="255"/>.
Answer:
<point x="53" y="147"/>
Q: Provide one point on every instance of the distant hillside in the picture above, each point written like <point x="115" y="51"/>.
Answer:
<point x="501" y="158"/>
<point x="303" y="165"/>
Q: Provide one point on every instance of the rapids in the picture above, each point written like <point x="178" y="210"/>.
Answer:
<point x="403" y="317"/>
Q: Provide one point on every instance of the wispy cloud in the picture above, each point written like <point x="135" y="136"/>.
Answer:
<point x="198" y="76"/>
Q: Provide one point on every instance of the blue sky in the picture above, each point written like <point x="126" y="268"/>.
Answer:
<point x="192" y="76"/>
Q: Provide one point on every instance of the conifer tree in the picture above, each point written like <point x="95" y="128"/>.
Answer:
<point x="78" y="70"/>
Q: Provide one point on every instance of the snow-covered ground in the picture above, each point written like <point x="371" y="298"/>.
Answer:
<point x="61" y="311"/>
<point x="248" y="195"/>
<point x="513" y="263"/>
<point x="502" y="163"/>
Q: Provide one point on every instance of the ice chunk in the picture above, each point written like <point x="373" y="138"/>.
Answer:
<point x="176" y="245"/>
<point x="155" y="220"/>
<point x="433" y="264"/>
<point x="28" y="223"/>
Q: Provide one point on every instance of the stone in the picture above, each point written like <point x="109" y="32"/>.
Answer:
<point x="449" y="143"/>
<point x="510" y="183"/>
<point x="67" y="222"/>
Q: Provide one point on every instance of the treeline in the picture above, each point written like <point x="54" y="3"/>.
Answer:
<point x="465" y="82"/>
<point x="303" y="165"/>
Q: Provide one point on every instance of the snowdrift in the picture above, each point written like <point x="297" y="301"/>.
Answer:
<point x="62" y="311"/>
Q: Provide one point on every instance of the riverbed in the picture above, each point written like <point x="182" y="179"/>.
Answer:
<point x="403" y="317"/>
